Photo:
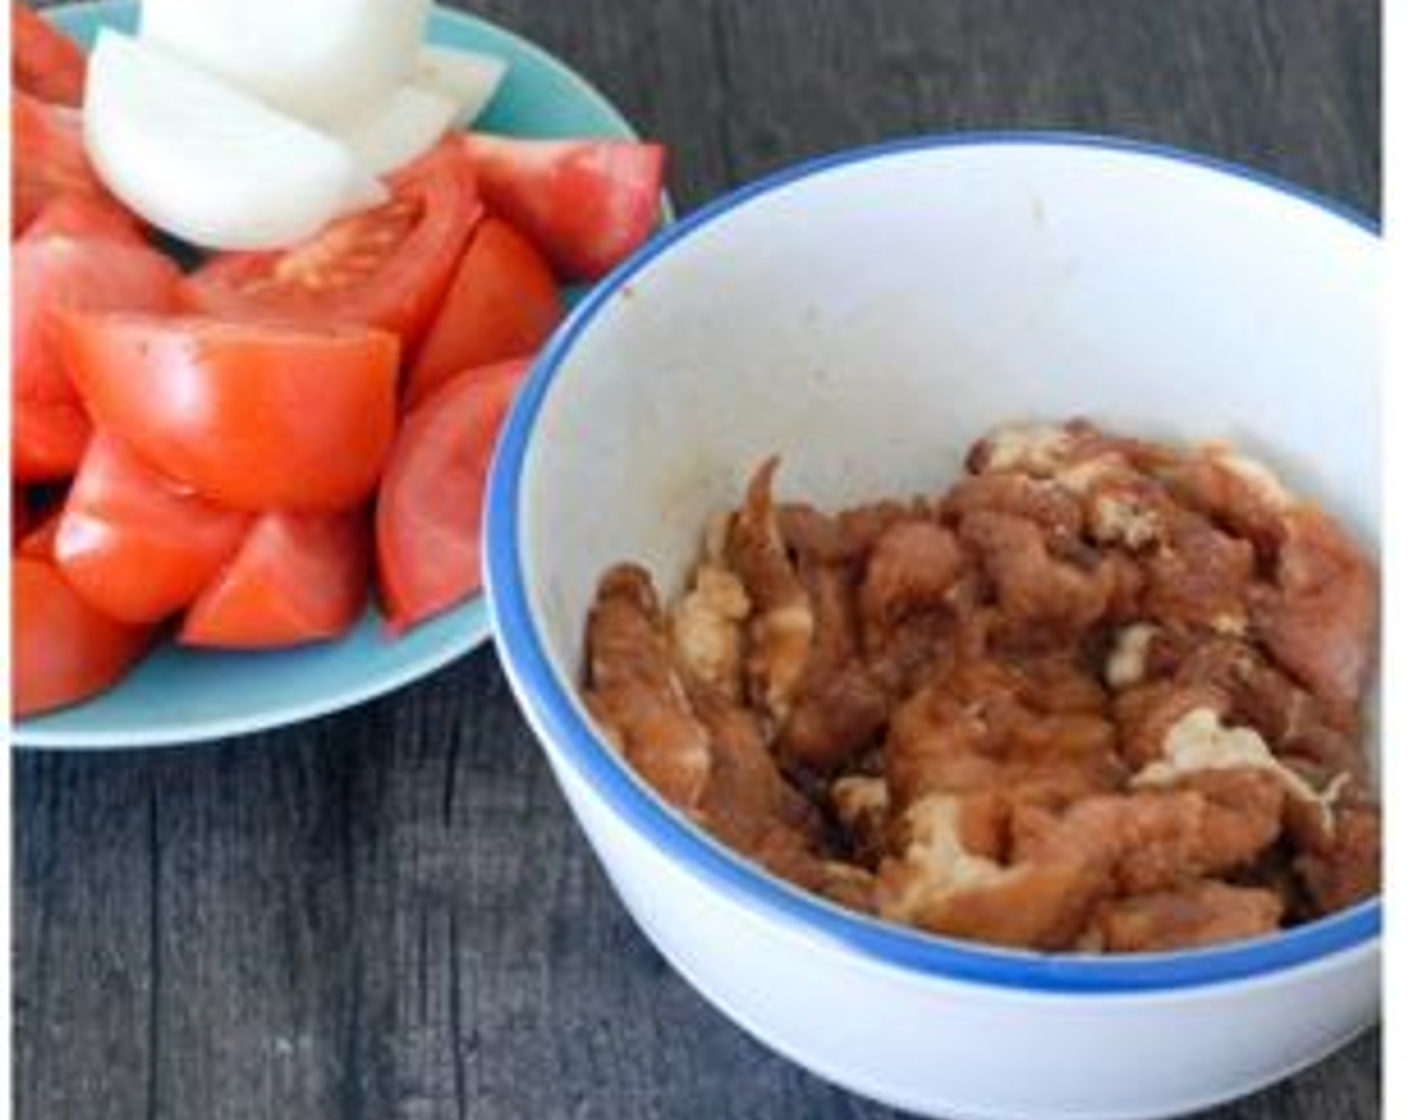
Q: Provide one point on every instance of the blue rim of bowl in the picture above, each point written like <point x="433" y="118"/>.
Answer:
<point x="543" y="694"/>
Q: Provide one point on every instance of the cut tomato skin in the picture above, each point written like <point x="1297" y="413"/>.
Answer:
<point x="252" y="416"/>
<point x="49" y="160"/>
<point x="136" y="545"/>
<point x="43" y="60"/>
<point x="63" y="650"/>
<point x="387" y="267"/>
<point x="587" y="204"/>
<point x="295" y="579"/>
<point x="52" y="275"/>
<point x="503" y="303"/>
<point x="83" y="218"/>
<point x="429" y="508"/>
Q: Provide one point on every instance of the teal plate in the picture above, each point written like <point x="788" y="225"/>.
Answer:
<point x="183" y="696"/>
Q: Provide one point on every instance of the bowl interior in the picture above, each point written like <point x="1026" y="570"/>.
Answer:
<point x="867" y="317"/>
<point x="870" y="322"/>
<point x="179" y="695"/>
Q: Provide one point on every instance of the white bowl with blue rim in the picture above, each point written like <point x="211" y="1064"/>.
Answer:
<point x="180" y="695"/>
<point x="867" y="317"/>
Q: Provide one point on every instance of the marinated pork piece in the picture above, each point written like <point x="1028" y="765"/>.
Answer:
<point x="839" y="708"/>
<point x="1127" y="663"/>
<point x="1147" y="713"/>
<point x="862" y="805"/>
<point x="1243" y="814"/>
<point x="1056" y="683"/>
<point x="831" y="591"/>
<point x="938" y="883"/>
<point x="1151" y="840"/>
<point x="936" y="743"/>
<point x="1196" y="914"/>
<point x="1102" y="696"/>
<point x="1052" y="508"/>
<point x="847" y="885"/>
<point x="1034" y="588"/>
<point x="690" y="740"/>
<point x="838" y="705"/>
<point x="746" y="802"/>
<point x="1256" y="694"/>
<point x="846" y="538"/>
<point x="1320" y="620"/>
<point x="783" y="623"/>
<point x="1236" y="491"/>
<point x="1344" y="868"/>
<point x="635" y="692"/>
<point x="706" y="629"/>
<point x="1130" y="583"/>
<point x="1034" y="450"/>
<point x="1050" y="450"/>
<point x="1200" y="579"/>
<point x="972" y="732"/>
<point x="1122" y="508"/>
<point x="1200" y="747"/>
<point x="913" y="567"/>
<point x="835" y="717"/>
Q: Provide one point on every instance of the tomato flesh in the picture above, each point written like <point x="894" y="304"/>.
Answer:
<point x="387" y="267"/>
<point x="252" y="416"/>
<point x="63" y="649"/>
<point x="503" y="303"/>
<point x="43" y="60"/>
<point x="295" y="579"/>
<point x="432" y="495"/>
<point x="48" y="158"/>
<point x="51" y="275"/>
<point x="587" y="204"/>
<point x="86" y="218"/>
<point x="21" y="515"/>
<point x="38" y="539"/>
<point x="136" y="545"/>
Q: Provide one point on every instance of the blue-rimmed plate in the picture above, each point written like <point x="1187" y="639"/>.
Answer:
<point x="182" y="696"/>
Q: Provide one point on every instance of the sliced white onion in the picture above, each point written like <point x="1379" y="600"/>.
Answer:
<point x="319" y="60"/>
<point x="450" y="89"/>
<point x="468" y="78"/>
<point x="207" y="162"/>
<point x="400" y="128"/>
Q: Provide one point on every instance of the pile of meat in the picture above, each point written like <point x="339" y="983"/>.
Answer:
<point x="1104" y="696"/>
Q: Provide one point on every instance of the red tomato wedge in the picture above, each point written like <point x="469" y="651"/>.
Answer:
<point x="503" y="303"/>
<point x="587" y="204"/>
<point x="50" y="276"/>
<point x="48" y="158"/>
<point x="295" y="579"/>
<point x="38" y="539"/>
<point x="63" y="649"/>
<point x="432" y="494"/>
<point x="253" y="416"/>
<point x="21" y="516"/>
<point x="387" y="267"/>
<point x="136" y="545"/>
<point x="43" y="60"/>
<point x="86" y="218"/>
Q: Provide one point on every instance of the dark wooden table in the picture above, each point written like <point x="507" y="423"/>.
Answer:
<point x="389" y="913"/>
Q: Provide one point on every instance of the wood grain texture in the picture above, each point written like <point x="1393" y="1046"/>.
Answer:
<point x="389" y="913"/>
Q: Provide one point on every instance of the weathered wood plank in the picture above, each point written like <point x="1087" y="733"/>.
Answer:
<point x="389" y="913"/>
